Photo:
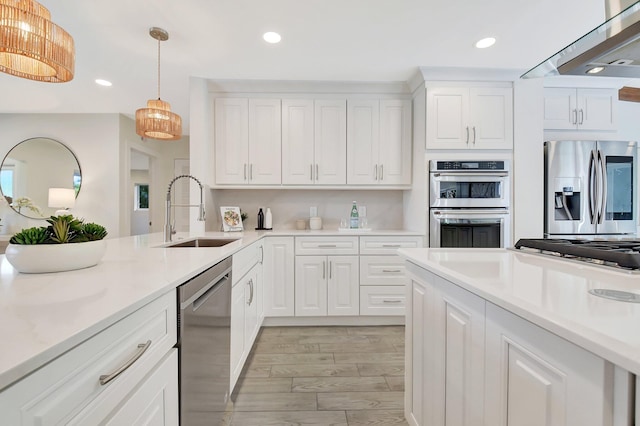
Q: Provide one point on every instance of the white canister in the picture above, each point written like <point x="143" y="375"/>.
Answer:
<point x="315" y="223"/>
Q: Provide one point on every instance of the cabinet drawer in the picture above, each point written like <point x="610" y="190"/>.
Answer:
<point x="382" y="300"/>
<point x="387" y="244"/>
<point x="71" y="383"/>
<point x="326" y="245"/>
<point x="246" y="259"/>
<point x="382" y="270"/>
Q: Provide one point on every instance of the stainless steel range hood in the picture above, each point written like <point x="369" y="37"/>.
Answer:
<point x="611" y="50"/>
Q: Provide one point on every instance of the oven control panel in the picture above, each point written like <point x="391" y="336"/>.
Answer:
<point x="468" y="165"/>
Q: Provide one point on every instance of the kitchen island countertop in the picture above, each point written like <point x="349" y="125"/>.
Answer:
<point x="549" y="292"/>
<point x="44" y="315"/>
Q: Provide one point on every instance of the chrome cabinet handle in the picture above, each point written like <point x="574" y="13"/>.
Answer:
<point x="391" y="301"/>
<point x="317" y="173"/>
<point x="581" y="116"/>
<point x="327" y="245"/>
<point x="391" y="245"/>
<point x="467" y="141"/>
<point x="245" y="171"/>
<point x="324" y="269"/>
<point x="261" y="254"/>
<point x="575" y="116"/>
<point x="375" y="172"/>
<point x="391" y="271"/>
<point x="474" y="135"/>
<point x="381" y="171"/>
<point x="251" y="171"/>
<point x="330" y="269"/>
<point x="250" y="284"/>
<point x="311" y="172"/>
<point x="142" y="348"/>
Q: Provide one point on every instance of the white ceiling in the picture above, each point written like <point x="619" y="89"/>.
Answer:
<point x="337" y="40"/>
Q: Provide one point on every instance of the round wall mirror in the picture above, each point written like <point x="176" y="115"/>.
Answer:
<point x="31" y="169"/>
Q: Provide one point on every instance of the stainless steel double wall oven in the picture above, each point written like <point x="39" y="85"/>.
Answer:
<point x="469" y="203"/>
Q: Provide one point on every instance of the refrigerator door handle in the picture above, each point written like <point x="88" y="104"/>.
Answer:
<point x="603" y="187"/>
<point x="591" y="188"/>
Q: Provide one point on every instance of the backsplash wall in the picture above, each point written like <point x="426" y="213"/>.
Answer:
<point x="384" y="208"/>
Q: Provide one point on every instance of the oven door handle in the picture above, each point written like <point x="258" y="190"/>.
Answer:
<point x="470" y="212"/>
<point x="478" y="175"/>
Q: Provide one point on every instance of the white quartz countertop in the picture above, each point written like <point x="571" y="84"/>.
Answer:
<point x="44" y="315"/>
<point x="549" y="292"/>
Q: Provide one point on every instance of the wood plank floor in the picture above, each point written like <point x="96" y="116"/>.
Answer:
<point x="329" y="376"/>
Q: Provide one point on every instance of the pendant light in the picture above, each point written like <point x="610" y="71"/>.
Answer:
<point x="156" y="121"/>
<point x="33" y="47"/>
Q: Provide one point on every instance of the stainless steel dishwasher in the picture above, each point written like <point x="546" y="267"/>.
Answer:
<point x="204" y="336"/>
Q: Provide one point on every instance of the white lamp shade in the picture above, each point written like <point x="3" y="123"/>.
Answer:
<point x="62" y="198"/>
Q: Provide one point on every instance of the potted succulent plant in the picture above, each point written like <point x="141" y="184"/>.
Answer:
<point x="66" y="244"/>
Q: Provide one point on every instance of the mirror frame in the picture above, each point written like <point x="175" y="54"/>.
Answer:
<point x="7" y="155"/>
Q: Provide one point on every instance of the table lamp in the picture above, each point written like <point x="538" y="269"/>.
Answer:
<point x="63" y="199"/>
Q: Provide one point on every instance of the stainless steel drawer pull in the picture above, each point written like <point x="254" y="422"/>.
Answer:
<point x="389" y="271"/>
<point x="142" y="348"/>
<point x="391" y="245"/>
<point x="392" y="301"/>
<point x="327" y="245"/>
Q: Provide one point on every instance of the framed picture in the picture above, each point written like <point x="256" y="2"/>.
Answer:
<point x="231" y="220"/>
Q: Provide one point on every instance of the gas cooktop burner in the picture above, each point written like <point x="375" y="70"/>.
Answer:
<point x="624" y="253"/>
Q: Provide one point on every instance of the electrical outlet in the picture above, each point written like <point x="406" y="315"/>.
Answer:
<point x="313" y="211"/>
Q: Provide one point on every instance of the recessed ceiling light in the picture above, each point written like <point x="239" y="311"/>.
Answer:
<point x="485" y="42"/>
<point x="595" y="70"/>
<point x="272" y="37"/>
<point x="102" y="82"/>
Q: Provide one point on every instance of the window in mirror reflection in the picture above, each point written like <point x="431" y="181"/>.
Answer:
<point x="141" y="201"/>
<point x="6" y="183"/>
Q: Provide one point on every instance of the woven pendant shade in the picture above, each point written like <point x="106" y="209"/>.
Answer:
<point x="156" y="121"/>
<point x="33" y="47"/>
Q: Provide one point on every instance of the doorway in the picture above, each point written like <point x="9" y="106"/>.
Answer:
<point x="140" y="178"/>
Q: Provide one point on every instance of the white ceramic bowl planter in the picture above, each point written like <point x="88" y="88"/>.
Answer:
<point x="41" y="258"/>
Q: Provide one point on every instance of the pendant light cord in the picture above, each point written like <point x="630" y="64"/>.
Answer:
<point x="158" y="69"/>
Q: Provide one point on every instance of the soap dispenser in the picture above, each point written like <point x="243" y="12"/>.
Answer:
<point x="268" y="220"/>
<point x="260" y="219"/>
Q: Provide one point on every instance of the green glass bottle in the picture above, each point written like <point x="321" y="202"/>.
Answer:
<point x="354" y="217"/>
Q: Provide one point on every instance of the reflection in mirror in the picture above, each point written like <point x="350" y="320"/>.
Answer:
<point x="31" y="168"/>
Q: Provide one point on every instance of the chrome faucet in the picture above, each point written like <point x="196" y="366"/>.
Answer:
<point x="168" y="228"/>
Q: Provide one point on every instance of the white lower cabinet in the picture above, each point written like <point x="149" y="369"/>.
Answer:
<point x="246" y="307"/>
<point x="279" y="273"/>
<point x="96" y="381"/>
<point x="470" y="362"/>
<point x="326" y="285"/>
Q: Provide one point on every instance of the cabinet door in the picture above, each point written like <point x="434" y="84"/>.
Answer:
<point x="458" y="359"/>
<point x="491" y="117"/>
<point x="279" y="277"/>
<point x="155" y="401"/>
<point x="311" y="286"/>
<point x="597" y="109"/>
<point x="330" y="142"/>
<point x="343" y="286"/>
<point x="251" y="321"/>
<point x="265" y="142"/>
<point x="297" y="141"/>
<point x="382" y="270"/>
<point x="363" y="131"/>
<point x="447" y="118"/>
<point x="560" y="108"/>
<point x="237" y="350"/>
<point x="231" y="121"/>
<point x="395" y="142"/>
<point x="419" y="351"/>
<point x="534" y="377"/>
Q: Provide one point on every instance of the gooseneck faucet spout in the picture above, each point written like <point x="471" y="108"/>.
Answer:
<point x="168" y="228"/>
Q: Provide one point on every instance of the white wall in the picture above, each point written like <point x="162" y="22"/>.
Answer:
<point x="94" y="138"/>
<point x="384" y="208"/>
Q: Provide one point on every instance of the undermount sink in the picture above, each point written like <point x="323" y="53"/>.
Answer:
<point x="202" y="242"/>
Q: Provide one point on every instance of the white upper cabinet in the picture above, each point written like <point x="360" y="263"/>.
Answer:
<point x="247" y="141"/>
<point x="469" y="117"/>
<point x="378" y="142"/>
<point x="314" y="142"/>
<point x="583" y="109"/>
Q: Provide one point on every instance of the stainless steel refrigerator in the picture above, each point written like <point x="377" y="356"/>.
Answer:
<point x="590" y="188"/>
